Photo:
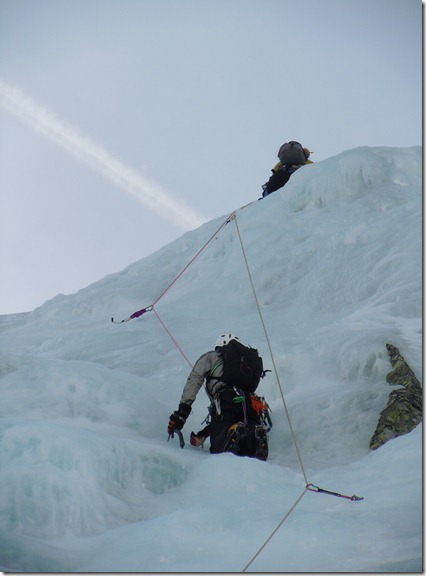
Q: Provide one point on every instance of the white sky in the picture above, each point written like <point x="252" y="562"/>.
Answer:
<point x="130" y="121"/>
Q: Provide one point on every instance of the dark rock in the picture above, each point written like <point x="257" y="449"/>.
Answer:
<point x="404" y="409"/>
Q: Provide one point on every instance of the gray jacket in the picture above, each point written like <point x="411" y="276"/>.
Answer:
<point x="209" y="364"/>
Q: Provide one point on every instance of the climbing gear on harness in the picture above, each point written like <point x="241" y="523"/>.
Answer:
<point x="215" y="406"/>
<point x="235" y="434"/>
<point x="261" y="408"/>
<point x="258" y="404"/>
<point x="313" y="488"/>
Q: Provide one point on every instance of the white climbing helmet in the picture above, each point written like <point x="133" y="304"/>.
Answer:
<point x="225" y="338"/>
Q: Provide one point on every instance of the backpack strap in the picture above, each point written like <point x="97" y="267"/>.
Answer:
<point x="210" y="375"/>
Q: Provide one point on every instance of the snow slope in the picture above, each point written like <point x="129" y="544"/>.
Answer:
<point x="88" y="480"/>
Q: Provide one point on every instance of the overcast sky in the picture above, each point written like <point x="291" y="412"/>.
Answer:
<point x="124" y="123"/>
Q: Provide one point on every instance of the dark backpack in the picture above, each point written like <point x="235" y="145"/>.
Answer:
<point x="292" y="153"/>
<point x="242" y="366"/>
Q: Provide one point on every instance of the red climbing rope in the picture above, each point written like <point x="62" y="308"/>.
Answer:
<point x="171" y="337"/>
<point x="151" y="307"/>
<point x="194" y="258"/>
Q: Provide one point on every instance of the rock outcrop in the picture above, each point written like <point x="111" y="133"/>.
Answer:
<point x="404" y="409"/>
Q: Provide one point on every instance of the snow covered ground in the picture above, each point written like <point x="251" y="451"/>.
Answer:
<point x="88" y="480"/>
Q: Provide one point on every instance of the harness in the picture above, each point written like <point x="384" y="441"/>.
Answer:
<point x="250" y="400"/>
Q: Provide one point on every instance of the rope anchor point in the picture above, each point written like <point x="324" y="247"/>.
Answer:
<point x="313" y="488"/>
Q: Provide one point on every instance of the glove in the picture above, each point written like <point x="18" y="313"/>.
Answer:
<point x="199" y="438"/>
<point x="178" y="418"/>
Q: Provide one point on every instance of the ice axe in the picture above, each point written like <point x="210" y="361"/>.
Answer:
<point x="179" y="433"/>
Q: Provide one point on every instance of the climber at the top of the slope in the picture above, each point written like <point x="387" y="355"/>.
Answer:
<point x="292" y="156"/>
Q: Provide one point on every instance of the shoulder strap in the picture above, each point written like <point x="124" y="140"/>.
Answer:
<point x="213" y="369"/>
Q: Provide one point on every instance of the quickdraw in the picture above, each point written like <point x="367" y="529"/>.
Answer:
<point x="313" y="488"/>
<point x="134" y="315"/>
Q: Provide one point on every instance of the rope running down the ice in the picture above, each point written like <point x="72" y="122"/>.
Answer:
<point x="150" y="308"/>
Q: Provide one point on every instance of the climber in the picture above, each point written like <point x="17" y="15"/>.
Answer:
<point x="291" y="156"/>
<point x="238" y="417"/>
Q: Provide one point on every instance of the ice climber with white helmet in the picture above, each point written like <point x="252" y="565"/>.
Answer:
<point x="238" y="419"/>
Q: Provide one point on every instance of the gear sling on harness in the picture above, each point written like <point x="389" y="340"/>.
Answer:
<point x="229" y="407"/>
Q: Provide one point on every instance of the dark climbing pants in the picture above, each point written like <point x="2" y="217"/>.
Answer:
<point x="232" y="410"/>
<point x="279" y="179"/>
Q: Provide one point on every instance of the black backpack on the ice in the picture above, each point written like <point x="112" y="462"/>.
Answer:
<point x="242" y="366"/>
<point x="292" y="153"/>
